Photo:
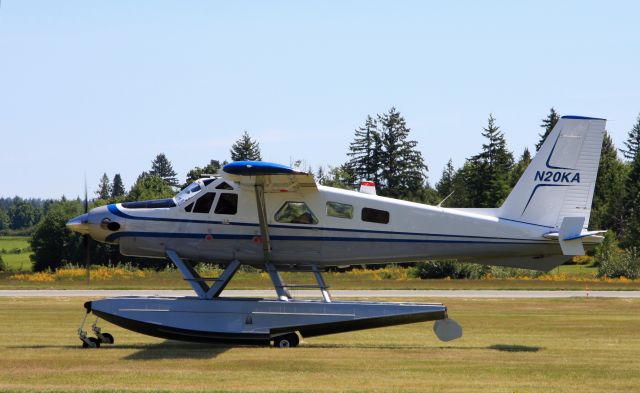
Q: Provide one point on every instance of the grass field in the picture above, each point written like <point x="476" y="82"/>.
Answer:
<point x="16" y="261"/>
<point x="556" y="345"/>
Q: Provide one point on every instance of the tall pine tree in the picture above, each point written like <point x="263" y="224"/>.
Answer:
<point x="365" y="151"/>
<point x="631" y="232"/>
<point x="520" y="167"/>
<point x="104" y="187"/>
<point x="547" y="124"/>
<point x="402" y="166"/>
<point x="607" y="211"/>
<point x="117" y="190"/>
<point x="161" y="167"/>
<point x="245" y="149"/>
<point x="491" y="182"/>
<point x="445" y="184"/>
<point x="633" y="142"/>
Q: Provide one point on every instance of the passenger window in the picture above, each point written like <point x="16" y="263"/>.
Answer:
<point x="203" y="204"/>
<point x="296" y="213"/>
<point x="375" y="215"/>
<point x="340" y="210"/>
<point x="227" y="204"/>
<point x="224" y="186"/>
<point x="189" y="207"/>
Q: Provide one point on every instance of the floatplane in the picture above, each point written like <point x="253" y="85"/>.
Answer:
<point x="278" y="219"/>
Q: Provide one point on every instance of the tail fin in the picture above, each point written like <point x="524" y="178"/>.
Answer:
<point x="560" y="180"/>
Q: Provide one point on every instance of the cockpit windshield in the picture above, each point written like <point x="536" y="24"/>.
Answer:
<point x="187" y="193"/>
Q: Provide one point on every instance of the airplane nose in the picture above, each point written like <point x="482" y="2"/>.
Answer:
<point x="79" y="224"/>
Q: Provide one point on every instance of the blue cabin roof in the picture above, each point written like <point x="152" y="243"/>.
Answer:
<point x="252" y="168"/>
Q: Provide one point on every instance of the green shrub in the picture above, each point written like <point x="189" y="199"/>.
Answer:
<point x="3" y="265"/>
<point x="615" y="263"/>
<point x="608" y="246"/>
<point x="512" y="272"/>
<point x="447" y="268"/>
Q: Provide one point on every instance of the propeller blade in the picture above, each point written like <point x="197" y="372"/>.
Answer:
<point x="85" y="238"/>
<point x="86" y="198"/>
<point x="87" y="255"/>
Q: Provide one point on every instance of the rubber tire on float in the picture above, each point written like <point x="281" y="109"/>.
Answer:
<point x="289" y="340"/>
<point x="108" y="338"/>
<point x="93" y="340"/>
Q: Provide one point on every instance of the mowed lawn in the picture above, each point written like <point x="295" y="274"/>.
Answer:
<point x="16" y="261"/>
<point x="509" y="345"/>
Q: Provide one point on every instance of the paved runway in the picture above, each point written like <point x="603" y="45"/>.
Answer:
<point x="337" y="294"/>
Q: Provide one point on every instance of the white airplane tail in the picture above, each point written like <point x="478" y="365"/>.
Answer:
<point x="559" y="182"/>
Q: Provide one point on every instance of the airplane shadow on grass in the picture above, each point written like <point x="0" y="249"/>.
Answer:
<point x="165" y="350"/>
<point x="176" y="350"/>
<point x="495" y="347"/>
<point x="184" y="350"/>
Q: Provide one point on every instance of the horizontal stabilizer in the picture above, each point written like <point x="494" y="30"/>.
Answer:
<point x="585" y="235"/>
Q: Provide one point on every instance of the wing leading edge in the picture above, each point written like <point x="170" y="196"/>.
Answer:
<point x="273" y="177"/>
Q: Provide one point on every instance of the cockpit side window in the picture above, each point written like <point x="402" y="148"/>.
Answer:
<point x="206" y="182"/>
<point x="296" y="213"/>
<point x="188" y="192"/>
<point x="189" y="207"/>
<point x="227" y="204"/>
<point x="203" y="204"/>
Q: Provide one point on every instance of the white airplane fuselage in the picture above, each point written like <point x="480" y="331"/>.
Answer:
<point x="414" y="231"/>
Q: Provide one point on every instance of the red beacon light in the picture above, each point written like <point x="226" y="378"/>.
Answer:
<point x="368" y="187"/>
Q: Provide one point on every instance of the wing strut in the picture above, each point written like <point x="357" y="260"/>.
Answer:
<point x="198" y="283"/>
<point x="264" y="226"/>
<point x="276" y="278"/>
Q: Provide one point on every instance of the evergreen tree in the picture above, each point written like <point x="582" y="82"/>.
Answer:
<point x="633" y="142"/>
<point x="402" y="166"/>
<point x="196" y="173"/>
<point x="22" y="214"/>
<point x="245" y="149"/>
<point x="607" y="210"/>
<point x="4" y="220"/>
<point x="520" y="167"/>
<point x="490" y="182"/>
<point x="445" y="184"/>
<point x="631" y="231"/>
<point x="339" y="177"/>
<point x="117" y="190"/>
<point x="365" y="151"/>
<point x="104" y="188"/>
<point x="148" y="187"/>
<point x="161" y="166"/>
<point x="462" y="186"/>
<point x="52" y="243"/>
<point x="547" y="124"/>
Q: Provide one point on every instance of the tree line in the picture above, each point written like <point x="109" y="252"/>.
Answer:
<point x="383" y="151"/>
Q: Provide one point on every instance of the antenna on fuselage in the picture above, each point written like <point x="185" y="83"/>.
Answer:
<point x="445" y="198"/>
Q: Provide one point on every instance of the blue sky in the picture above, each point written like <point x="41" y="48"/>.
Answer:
<point x="92" y="87"/>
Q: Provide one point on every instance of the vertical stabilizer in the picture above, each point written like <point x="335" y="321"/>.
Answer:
<point x="561" y="179"/>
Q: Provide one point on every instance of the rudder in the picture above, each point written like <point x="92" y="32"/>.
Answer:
<point x="561" y="178"/>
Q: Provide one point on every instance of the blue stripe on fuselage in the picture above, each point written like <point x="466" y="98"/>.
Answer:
<point x="171" y="235"/>
<point x="114" y="210"/>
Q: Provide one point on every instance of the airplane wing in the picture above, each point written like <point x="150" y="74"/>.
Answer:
<point x="273" y="177"/>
